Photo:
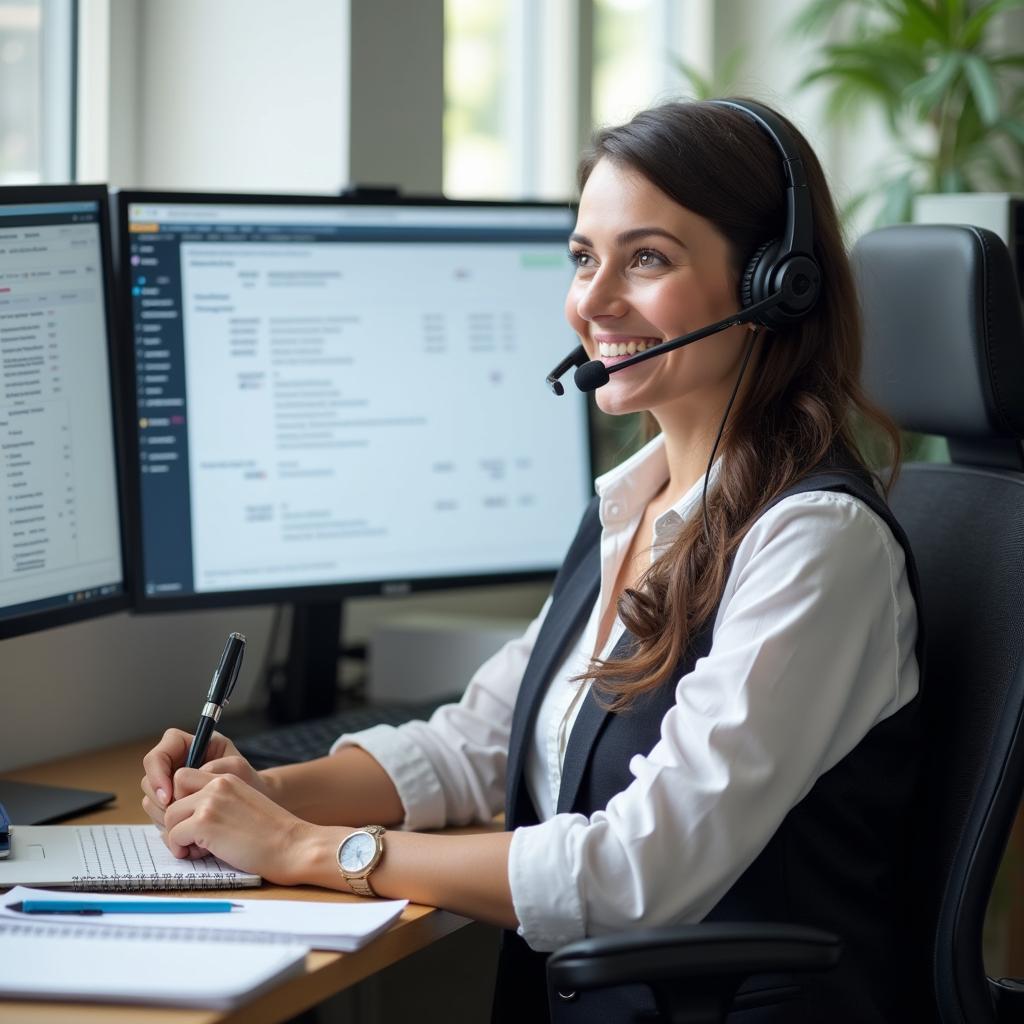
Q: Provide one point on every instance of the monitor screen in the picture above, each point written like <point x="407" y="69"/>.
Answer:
<point x="347" y="396"/>
<point x="60" y="550"/>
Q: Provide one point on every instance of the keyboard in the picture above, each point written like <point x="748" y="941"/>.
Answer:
<point x="304" y="741"/>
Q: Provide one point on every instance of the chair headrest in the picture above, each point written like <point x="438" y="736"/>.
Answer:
<point x="943" y="332"/>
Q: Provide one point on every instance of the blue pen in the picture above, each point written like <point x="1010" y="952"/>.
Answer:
<point x="93" y="908"/>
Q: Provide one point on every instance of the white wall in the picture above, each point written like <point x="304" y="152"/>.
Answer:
<point x="242" y="94"/>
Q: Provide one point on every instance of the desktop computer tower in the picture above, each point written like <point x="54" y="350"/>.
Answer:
<point x="1000" y="212"/>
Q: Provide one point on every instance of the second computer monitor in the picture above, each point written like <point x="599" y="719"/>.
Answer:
<point x="347" y="398"/>
<point x="60" y="541"/>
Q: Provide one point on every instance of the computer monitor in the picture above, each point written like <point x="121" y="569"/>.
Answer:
<point x="337" y="397"/>
<point x="61" y="541"/>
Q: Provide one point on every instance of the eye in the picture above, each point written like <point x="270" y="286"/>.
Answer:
<point x="580" y="258"/>
<point x="646" y="258"/>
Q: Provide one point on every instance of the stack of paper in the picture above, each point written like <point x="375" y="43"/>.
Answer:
<point x="341" y="926"/>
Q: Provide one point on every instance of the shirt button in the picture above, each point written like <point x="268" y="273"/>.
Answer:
<point x="614" y="508"/>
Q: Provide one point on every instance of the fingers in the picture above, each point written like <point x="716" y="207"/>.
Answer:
<point x="153" y="809"/>
<point x="234" y="764"/>
<point x="190" y="818"/>
<point x="191" y="780"/>
<point x="161" y="762"/>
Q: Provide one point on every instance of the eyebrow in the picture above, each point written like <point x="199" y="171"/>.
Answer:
<point x="631" y="236"/>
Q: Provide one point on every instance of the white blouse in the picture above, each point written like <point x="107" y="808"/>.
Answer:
<point x="812" y="646"/>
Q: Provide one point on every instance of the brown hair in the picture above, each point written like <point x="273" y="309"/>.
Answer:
<point x="802" y="399"/>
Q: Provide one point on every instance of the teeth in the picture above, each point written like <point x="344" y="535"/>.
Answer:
<point x="610" y="349"/>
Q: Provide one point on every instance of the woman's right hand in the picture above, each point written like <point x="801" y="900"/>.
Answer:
<point x="164" y="760"/>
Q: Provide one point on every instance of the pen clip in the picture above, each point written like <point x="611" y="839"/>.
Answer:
<point x="226" y="675"/>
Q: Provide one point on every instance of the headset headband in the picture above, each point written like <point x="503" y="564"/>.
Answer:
<point x="798" y="237"/>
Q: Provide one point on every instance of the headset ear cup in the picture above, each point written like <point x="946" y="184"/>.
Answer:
<point x="797" y="278"/>
<point x="756" y="274"/>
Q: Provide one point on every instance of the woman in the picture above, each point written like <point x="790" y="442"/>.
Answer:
<point x="714" y="715"/>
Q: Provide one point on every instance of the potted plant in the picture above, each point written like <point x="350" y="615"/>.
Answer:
<point x="952" y="97"/>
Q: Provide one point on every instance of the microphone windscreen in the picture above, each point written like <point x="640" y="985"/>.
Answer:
<point x="591" y="376"/>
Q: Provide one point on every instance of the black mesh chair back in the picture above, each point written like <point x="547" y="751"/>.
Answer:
<point x="945" y="355"/>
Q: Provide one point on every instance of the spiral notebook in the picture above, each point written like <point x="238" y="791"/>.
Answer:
<point x="109" y="858"/>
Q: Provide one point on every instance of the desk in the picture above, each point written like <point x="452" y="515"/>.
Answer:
<point x="119" y="770"/>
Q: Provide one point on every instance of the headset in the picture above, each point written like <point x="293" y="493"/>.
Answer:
<point x="780" y="283"/>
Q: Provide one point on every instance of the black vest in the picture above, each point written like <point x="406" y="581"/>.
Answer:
<point x="837" y="861"/>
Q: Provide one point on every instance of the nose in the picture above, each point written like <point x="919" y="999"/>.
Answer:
<point x="601" y="296"/>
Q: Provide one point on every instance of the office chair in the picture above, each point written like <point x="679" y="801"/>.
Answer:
<point x="944" y="354"/>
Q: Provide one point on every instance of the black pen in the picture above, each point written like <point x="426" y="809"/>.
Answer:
<point x="220" y="693"/>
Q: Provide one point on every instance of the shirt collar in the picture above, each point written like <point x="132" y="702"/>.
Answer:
<point x="625" y="490"/>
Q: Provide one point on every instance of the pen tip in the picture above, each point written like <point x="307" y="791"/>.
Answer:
<point x="15" y="906"/>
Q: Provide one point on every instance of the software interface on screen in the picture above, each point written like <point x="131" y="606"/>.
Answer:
<point x="344" y="394"/>
<point x="61" y="540"/>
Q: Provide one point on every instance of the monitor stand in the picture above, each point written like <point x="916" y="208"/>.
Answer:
<point x="311" y="675"/>
<point x="28" y="803"/>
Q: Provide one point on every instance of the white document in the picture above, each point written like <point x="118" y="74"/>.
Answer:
<point x="50" y="961"/>
<point x="342" y="926"/>
<point x="109" y="858"/>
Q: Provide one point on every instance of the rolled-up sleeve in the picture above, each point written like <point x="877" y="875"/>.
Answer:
<point x="812" y="646"/>
<point x="450" y="770"/>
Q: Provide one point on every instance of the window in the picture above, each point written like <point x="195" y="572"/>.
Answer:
<point x="527" y="80"/>
<point x="510" y="103"/>
<point x="36" y="90"/>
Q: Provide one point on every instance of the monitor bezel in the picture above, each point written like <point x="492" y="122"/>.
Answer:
<point x="145" y="603"/>
<point x="47" y="618"/>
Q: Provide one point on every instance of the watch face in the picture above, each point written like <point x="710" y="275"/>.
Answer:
<point x="357" y="851"/>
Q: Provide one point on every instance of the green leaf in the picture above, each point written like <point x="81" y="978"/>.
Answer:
<point x="983" y="88"/>
<point x="890" y="67"/>
<point x="920" y="23"/>
<point x="956" y="12"/>
<point x="929" y="92"/>
<point x="854" y="89"/>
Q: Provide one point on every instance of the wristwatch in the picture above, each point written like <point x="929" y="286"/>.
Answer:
<point x="358" y="854"/>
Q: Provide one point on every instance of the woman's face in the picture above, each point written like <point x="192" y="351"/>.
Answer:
<point x="647" y="270"/>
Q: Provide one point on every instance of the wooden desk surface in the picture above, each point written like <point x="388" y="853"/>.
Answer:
<point x="119" y="770"/>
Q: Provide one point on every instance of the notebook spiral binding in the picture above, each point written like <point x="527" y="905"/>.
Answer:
<point x="170" y="880"/>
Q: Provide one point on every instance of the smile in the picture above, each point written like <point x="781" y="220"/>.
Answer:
<point x="610" y="349"/>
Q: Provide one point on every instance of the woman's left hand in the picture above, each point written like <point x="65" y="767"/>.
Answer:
<point x="238" y="824"/>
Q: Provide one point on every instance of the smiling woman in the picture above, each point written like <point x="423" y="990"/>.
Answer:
<point x="715" y="715"/>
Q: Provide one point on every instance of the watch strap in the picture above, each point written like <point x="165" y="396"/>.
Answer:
<point x="360" y="886"/>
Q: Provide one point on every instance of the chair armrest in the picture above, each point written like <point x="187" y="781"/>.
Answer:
<point x="691" y="951"/>
<point x="1008" y="999"/>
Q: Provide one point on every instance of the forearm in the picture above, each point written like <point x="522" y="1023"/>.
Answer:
<point x="467" y="874"/>
<point x="348" y="787"/>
